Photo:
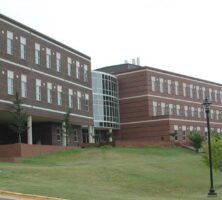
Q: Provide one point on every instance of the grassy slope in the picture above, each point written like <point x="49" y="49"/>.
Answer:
<point x="111" y="174"/>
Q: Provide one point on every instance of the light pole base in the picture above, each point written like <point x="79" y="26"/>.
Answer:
<point x="212" y="193"/>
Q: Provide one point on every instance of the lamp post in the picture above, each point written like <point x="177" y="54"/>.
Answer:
<point x="206" y="105"/>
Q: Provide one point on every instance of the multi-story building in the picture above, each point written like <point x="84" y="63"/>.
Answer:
<point x="50" y="78"/>
<point x="105" y="106"/>
<point x="161" y="107"/>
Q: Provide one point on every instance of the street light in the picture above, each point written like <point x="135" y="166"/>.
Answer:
<point x="206" y="105"/>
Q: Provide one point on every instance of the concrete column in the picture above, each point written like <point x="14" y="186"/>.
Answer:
<point x="111" y="137"/>
<point x="29" y="131"/>
<point x="91" y="134"/>
<point x="63" y="134"/>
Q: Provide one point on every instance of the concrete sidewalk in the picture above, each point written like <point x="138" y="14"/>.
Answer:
<point x="16" y="196"/>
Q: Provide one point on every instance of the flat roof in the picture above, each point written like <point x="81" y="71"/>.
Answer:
<point x="42" y="35"/>
<point x="124" y="68"/>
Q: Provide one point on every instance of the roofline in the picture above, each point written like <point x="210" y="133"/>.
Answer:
<point x="42" y="35"/>
<point x="163" y="71"/>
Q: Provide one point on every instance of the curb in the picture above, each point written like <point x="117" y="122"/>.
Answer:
<point x="25" y="196"/>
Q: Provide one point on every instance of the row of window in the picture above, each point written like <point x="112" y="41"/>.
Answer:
<point x="194" y="112"/>
<point x="38" y="93"/>
<point x="194" y="91"/>
<point x="48" y="54"/>
<point x="185" y="129"/>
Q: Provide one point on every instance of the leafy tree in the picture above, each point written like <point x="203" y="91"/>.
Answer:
<point x="196" y="140"/>
<point x="216" y="150"/>
<point x="19" y="124"/>
<point x="67" y="126"/>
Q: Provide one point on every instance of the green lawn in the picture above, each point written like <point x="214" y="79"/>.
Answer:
<point x="113" y="173"/>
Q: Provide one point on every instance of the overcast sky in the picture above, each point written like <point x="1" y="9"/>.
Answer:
<point x="183" y="36"/>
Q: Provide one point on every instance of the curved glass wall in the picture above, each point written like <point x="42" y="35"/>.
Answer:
<point x="105" y="100"/>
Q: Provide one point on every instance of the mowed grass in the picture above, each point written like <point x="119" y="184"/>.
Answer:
<point x="113" y="174"/>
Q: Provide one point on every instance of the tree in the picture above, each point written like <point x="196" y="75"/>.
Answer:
<point x="216" y="150"/>
<point x="19" y="124"/>
<point x="66" y="126"/>
<point x="196" y="140"/>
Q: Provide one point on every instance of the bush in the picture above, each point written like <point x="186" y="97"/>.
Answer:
<point x="196" y="140"/>
<point x="216" y="149"/>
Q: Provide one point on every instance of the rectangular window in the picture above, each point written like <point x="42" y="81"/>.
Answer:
<point x="211" y="114"/>
<point x="58" y="62"/>
<point x="176" y="88"/>
<point x="215" y="95"/>
<point x="38" y="90"/>
<point x="77" y="70"/>
<point x="37" y="53"/>
<point x="58" y="134"/>
<point x="192" y="112"/>
<point x="70" y="98"/>
<point x="199" y="112"/>
<point x="161" y="85"/>
<point x="23" y="86"/>
<point x="176" y="132"/>
<point x="178" y="110"/>
<point x="9" y="42"/>
<point x="184" y="89"/>
<point x="79" y="100"/>
<point x="203" y="93"/>
<point x="49" y="92"/>
<point x="191" y="91"/>
<point x="86" y="102"/>
<point x="221" y="96"/>
<point x="48" y="58"/>
<point x="69" y="66"/>
<point x="185" y="111"/>
<point x="169" y="86"/>
<point x="154" y="108"/>
<point x="197" y="92"/>
<point x="210" y="94"/>
<point x="10" y="81"/>
<point x="59" y="95"/>
<point x="170" y="109"/>
<point x="23" y="48"/>
<point x="217" y="114"/>
<point x="85" y="73"/>
<point x="184" y="132"/>
<point x="163" y="108"/>
<point x="153" y="83"/>
<point x="75" y="135"/>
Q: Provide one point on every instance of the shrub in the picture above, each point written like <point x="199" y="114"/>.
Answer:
<point x="196" y="140"/>
<point x="216" y="149"/>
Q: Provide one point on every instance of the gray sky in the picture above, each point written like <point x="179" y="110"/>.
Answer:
<point x="183" y="36"/>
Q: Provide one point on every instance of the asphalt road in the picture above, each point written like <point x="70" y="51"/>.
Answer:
<point x="3" y="198"/>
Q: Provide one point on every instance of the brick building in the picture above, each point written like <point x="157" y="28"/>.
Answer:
<point x="50" y="78"/>
<point x="157" y="104"/>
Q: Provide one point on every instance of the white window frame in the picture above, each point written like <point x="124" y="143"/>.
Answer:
<point x="10" y="82"/>
<point x="203" y="93"/>
<point x="58" y="62"/>
<point x="178" y="110"/>
<point x="49" y="92"/>
<point x="186" y="111"/>
<point x="77" y="69"/>
<point x="210" y="94"/>
<point x="48" y="58"/>
<point x="69" y="66"/>
<point x="23" y="48"/>
<point x="163" y="108"/>
<point x="176" y="128"/>
<point x="38" y="90"/>
<point x="9" y="42"/>
<point x="87" y="102"/>
<point x="191" y="91"/>
<point x="153" y="83"/>
<point x="70" y="98"/>
<point x="23" y="86"/>
<point x="79" y="99"/>
<point x="184" y="134"/>
<point x="85" y="73"/>
<point x="184" y="89"/>
<point x="197" y="92"/>
<point x="168" y="86"/>
<point x="37" y="53"/>
<point x="154" y="108"/>
<point x="176" y="88"/>
<point x="161" y="85"/>
<point x="59" y="95"/>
